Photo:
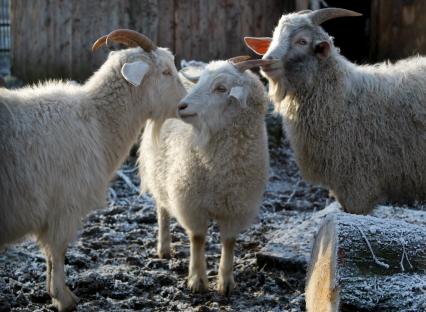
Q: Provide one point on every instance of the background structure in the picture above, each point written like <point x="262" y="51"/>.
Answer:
<point x="52" y="38"/>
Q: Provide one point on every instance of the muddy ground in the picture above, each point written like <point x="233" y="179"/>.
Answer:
<point x="112" y="265"/>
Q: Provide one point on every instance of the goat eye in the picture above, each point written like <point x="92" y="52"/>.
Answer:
<point x="220" y="89"/>
<point x="302" y="41"/>
<point x="167" y="72"/>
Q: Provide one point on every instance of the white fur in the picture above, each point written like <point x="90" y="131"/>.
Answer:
<point x="61" y="143"/>
<point x="210" y="166"/>
<point x="358" y="130"/>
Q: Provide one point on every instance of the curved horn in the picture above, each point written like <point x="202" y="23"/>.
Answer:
<point x="238" y="59"/>
<point x="304" y="11"/>
<point x="320" y="16"/>
<point x="132" y="39"/>
<point x="193" y="74"/>
<point x="244" y="65"/>
<point x="99" y="43"/>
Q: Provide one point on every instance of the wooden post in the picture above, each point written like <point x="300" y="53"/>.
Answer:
<point x="363" y="263"/>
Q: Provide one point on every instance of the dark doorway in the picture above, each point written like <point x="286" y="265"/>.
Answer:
<point x="352" y="34"/>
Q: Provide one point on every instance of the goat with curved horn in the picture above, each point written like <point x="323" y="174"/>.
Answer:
<point x="128" y="37"/>
<point x="322" y="15"/>
<point x="99" y="43"/>
<point x="238" y="59"/>
<point x="248" y="64"/>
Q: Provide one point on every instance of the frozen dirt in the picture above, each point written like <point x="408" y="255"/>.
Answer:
<point x="112" y="265"/>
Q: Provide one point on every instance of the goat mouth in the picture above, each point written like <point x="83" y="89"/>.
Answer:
<point x="268" y="69"/>
<point x="182" y="116"/>
<point x="272" y="73"/>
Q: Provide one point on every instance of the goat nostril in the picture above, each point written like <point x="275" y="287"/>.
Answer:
<point x="182" y="106"/>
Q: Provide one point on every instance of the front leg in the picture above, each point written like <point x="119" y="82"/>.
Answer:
<point x="62" y="297"/>
<point x="48" y="271"/>
<point x="226" y="282"/>
<point x="197" y="277"/>
<point x="55" y="245"/>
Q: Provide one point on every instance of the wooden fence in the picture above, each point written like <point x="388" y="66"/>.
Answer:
<point x="398" y="29"/>
<point x="52" y="38"/>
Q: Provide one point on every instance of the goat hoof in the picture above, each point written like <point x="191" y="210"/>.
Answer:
<point x="226" y="285"/>
<point x="164" y="253"/>
<point x="66" y="303"/>
<point x="197" y="284"/>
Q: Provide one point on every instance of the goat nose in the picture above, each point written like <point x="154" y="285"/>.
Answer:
<point x="182" y="106"/>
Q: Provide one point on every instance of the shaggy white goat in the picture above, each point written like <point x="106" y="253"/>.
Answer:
<point x="61" y="143"/>
<point x="211" y="164"/>
<point x="358" y="130"/>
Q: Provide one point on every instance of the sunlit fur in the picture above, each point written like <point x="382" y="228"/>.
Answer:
<point x="358" y="130"/>
<point x="60" y="144"/>
<point x="213" y="166"/>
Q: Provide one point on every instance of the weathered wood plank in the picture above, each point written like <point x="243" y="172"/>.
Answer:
<point x="234" y="41"/>
<point x="217" y="20"/>
<point x="60" y="48"/>
<point x="183" y="30"/>
<point x="165" y="35"/>
<point x="397" y="29"/>
<point x="144" y="17"/>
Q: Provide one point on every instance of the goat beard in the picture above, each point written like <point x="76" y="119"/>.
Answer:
<point x="277" y="90"/>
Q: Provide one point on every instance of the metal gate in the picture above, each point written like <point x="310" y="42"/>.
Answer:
<point x="4" y="37"/>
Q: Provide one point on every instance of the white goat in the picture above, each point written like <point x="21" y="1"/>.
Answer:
<point x="211" y="165"/>
<point x="60" y="144"/>
<point x="358" y="130"/>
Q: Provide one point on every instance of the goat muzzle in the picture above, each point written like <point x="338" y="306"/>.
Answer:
<point x="128" y="37"/>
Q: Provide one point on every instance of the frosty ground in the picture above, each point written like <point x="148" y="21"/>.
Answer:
<point x="112" y="265"/>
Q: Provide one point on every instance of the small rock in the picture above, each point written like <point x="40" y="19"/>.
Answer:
<point x="39" y="296"/>
<point x="22" y="300"/>
<point x="133" y="261"/>
<point x="147" y="219"/>
<point x="4" y="306"/>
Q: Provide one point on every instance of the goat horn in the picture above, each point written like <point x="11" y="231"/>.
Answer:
<point x="238" y="59"/>
<point x="320" y="16"/>
<point x="129" y="37"/>
<point x="132" y="39"/>
<point x="244" y="65"/>
<point x="304" y="11"/>
<point x="99" y="43"/>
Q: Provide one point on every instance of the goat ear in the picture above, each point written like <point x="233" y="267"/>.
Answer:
<point x="258" y="44"/>
<point x="134" y="72"/>
<point x="322" y="49"/>
<point x="238" y="94"/>
<point x="192" y="73"/>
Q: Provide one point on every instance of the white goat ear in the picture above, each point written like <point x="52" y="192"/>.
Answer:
<point x="134" y="72"/>
<point x="192" y="73"/>
<point x="238" y="94"/>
